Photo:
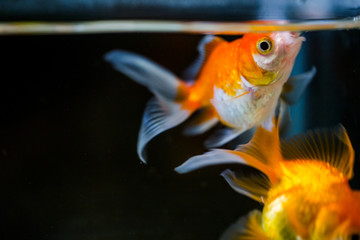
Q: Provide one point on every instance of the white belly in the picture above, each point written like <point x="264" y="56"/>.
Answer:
<point x="246" y="111"/>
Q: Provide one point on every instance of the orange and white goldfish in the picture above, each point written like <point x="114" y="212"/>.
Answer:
<point x="303" y="186"/>
<point x="238" y="83"/>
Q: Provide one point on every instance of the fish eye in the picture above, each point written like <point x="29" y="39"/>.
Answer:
<point x="264" y="45"/>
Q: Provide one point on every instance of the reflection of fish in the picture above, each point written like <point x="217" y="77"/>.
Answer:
<point x="304" y="185"/>
<point x="238" y="83"/>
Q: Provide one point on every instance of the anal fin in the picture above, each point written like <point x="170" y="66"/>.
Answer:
<point x="246" y="228"/>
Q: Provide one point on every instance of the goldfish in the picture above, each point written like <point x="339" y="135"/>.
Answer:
<point x="303" y="185"/>
<point x="238" y="83"/>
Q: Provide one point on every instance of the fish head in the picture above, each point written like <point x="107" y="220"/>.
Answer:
<point x="267" y="58"/>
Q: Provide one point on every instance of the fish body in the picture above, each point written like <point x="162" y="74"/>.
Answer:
<point x="313" y="200"/>
<point x="238" y="83"/>
<point x="303" y="185"/>
<point x="242" y="84"/>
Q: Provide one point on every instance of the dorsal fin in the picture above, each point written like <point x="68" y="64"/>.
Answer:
<point x="205" y="47"/>
<point x="332" y="146"/>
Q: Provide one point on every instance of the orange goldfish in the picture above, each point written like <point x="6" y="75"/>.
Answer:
<point x="303" y="185"/>
<point x="238" y="83"/>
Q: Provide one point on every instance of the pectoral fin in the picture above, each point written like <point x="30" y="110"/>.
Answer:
<point x="284" y="116"/>
<point x="296" y="85"/>
<point x="246" y="228"/>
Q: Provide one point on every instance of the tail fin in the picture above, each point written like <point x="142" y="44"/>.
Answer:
<point x="157" y="79"/>
<point x="262" y="153"/>
<point x="162" y="113"/>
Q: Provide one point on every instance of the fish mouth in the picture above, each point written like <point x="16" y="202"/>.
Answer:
<point x="295" y="34"/>
<point x="297" y="38"/>
<point x="293" y="45"/>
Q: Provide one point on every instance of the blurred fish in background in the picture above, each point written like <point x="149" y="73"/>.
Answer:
<point x="303" y="184"/>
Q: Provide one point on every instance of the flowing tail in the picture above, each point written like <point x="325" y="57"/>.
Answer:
<point x="262" y="153"/>
<point x="168" y="109"/>
<point x="265" y="153"/>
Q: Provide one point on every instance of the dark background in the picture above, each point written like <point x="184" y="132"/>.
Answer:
<point x="69" y="124"/>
